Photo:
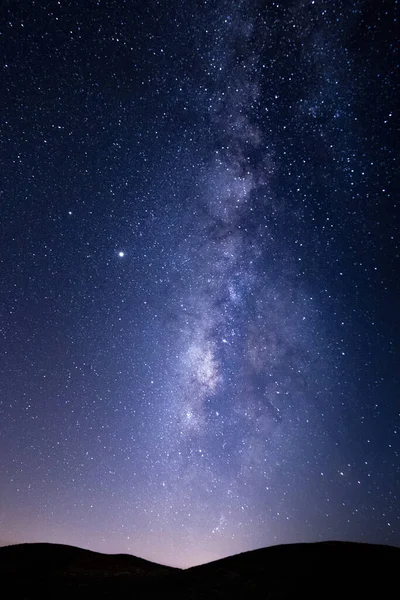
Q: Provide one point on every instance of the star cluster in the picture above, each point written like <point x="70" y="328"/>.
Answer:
<point x="199" y="259"/>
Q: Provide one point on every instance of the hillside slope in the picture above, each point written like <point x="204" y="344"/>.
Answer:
<point x="321" y="570"/>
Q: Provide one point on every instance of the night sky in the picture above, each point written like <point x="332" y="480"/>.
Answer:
<point x="199" y="275"/>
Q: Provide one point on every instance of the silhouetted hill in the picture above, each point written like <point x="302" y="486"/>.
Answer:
<point x="62" y="558"/>
<point x="321" y="570"/>
<point x="56" y="570"/>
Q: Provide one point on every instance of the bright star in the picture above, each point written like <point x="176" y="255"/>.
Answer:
<point x="121" y="254"/>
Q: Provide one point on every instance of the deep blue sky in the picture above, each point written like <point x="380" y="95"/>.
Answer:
<point x="199" y="333"/>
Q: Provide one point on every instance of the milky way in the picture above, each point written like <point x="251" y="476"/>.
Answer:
<point x="199" y="273"/>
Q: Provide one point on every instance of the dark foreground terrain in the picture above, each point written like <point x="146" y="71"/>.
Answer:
<point x="321" y="570"/>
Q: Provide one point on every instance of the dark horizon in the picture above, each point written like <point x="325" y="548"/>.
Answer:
<point x="337" y="543"/>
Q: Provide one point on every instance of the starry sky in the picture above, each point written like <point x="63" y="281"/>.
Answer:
<point x="199" y="262"/>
